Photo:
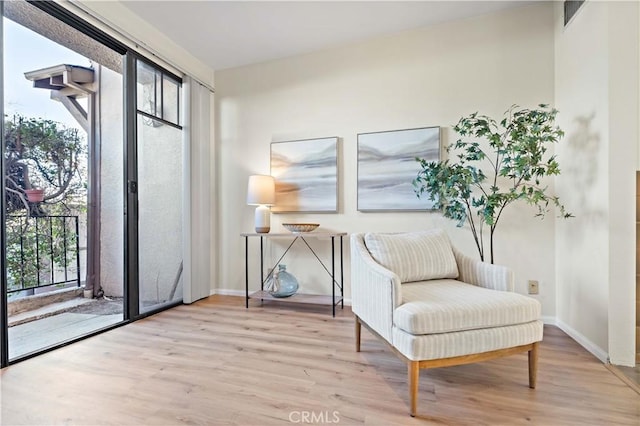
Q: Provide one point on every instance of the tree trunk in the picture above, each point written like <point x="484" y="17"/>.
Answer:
<point x="491" y="243"/>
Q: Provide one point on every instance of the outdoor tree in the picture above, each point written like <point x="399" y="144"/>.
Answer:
<point x="517" y="160"/>
<point x="43" y="154"/>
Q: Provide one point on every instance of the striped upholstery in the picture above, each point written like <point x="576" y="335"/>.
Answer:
<point x="449" y="317"/>
<point x="486" y="275"/>
<point x="414" y="256"/>
<point x="403" y="289"/>
<point x="375" y="291"/>
<point x="442" y="306"/>
<point x="445" y="345"/>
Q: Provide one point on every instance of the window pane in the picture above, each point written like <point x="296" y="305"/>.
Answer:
<point x="171" y="100"/>
<point x="147" y="86"/>
<point x="70" y="243"/>
<point x="160" y="189"/>
<point x="158" y="85"/>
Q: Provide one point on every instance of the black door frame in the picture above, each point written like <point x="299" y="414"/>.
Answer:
<point x="131" y="292"/>
<point x="132" y="266"/>
<point x="4" y="315"/>
<point x="130" y="250"/>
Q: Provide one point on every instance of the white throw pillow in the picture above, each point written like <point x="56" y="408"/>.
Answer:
<point x="414" y="256"/>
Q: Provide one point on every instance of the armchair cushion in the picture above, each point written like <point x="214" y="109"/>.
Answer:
<point x="414" y="256"/>
<point x="443" y="306"/>
<point x="445" y="345"/>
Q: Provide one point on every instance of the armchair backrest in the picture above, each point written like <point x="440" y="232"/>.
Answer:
<point x="414" y="256"/>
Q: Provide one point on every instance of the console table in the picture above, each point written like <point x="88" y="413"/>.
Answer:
<point x="332" y="300"/>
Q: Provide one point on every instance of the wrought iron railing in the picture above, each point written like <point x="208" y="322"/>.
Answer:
<point x="42" y="251"/>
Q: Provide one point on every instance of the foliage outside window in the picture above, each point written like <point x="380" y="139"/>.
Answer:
<point x="42" y="255"/>
<point x="42" y="154"/>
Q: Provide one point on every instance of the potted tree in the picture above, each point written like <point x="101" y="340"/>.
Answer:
<point x="515" y="154"/>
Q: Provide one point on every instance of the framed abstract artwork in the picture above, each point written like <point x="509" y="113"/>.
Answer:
<point x="306" y="174"/>
<point x="387" y="168"/>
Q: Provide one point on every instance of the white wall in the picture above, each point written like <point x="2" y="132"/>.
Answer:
<point x="425" y="77"/>
<point x="118" y="21"/>
<point x="624" y="114"/>
<point x="596" y="84"/>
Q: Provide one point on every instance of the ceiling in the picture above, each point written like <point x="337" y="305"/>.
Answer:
<point x="227" y="34"/>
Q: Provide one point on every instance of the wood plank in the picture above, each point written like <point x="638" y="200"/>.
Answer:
<point x="314" y="299"/>
<point x="215" y="362"/>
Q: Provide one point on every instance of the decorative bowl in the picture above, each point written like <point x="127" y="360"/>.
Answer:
<point x="300" y="227"/>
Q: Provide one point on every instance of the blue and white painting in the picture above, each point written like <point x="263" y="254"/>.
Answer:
<point x="306" y="174"/>
<point x="387" y="167"/>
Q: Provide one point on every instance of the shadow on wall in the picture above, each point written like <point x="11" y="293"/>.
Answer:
<point x="582" y="166"/>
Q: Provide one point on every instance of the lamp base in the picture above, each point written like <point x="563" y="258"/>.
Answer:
<point x="263" y="219"/>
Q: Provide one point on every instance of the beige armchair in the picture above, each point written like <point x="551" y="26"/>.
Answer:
<point x="435" y="306"/>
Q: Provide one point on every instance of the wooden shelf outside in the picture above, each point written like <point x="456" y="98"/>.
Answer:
<point x="314" y="299"/>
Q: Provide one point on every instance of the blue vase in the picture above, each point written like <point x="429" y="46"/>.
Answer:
<point x="285" y="284"/>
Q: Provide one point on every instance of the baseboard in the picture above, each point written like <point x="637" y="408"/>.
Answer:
<point x="227" y="292"/>
<point x="596" y="350"/>
<point x="549" y="320"/>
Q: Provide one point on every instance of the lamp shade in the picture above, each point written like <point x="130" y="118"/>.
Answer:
<point x="261" y="190"/>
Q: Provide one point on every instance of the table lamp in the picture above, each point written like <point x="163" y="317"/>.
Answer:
<point x="261" y="192"/>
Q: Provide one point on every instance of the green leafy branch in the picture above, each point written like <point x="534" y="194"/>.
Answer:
<point x="516" y="155"/>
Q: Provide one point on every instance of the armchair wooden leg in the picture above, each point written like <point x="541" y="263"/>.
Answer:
<point x="533" y="365"/>
<point x="358" y="329"/>
<point x="413" y="368"/>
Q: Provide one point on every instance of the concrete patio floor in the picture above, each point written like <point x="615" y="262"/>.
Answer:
<point x="61" y="322"/>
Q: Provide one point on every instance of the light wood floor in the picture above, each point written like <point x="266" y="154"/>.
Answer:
<point x="214" y="362"/>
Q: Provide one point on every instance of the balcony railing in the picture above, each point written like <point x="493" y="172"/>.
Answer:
<point x="42" y="251"/>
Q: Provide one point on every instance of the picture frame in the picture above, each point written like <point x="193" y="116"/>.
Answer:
<point x="387" y="167"/>
<point x="306" y="175"/>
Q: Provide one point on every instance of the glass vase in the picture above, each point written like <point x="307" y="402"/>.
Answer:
<point x="284" y="284"/>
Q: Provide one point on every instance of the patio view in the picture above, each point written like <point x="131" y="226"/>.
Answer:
<point x="69" y="217"/>
<point x="49" y="110"/>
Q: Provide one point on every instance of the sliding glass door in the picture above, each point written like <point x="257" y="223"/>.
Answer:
<point x="62" y="160"/>
<point x="159" y="154"/>
<point x="92" y="160"/>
